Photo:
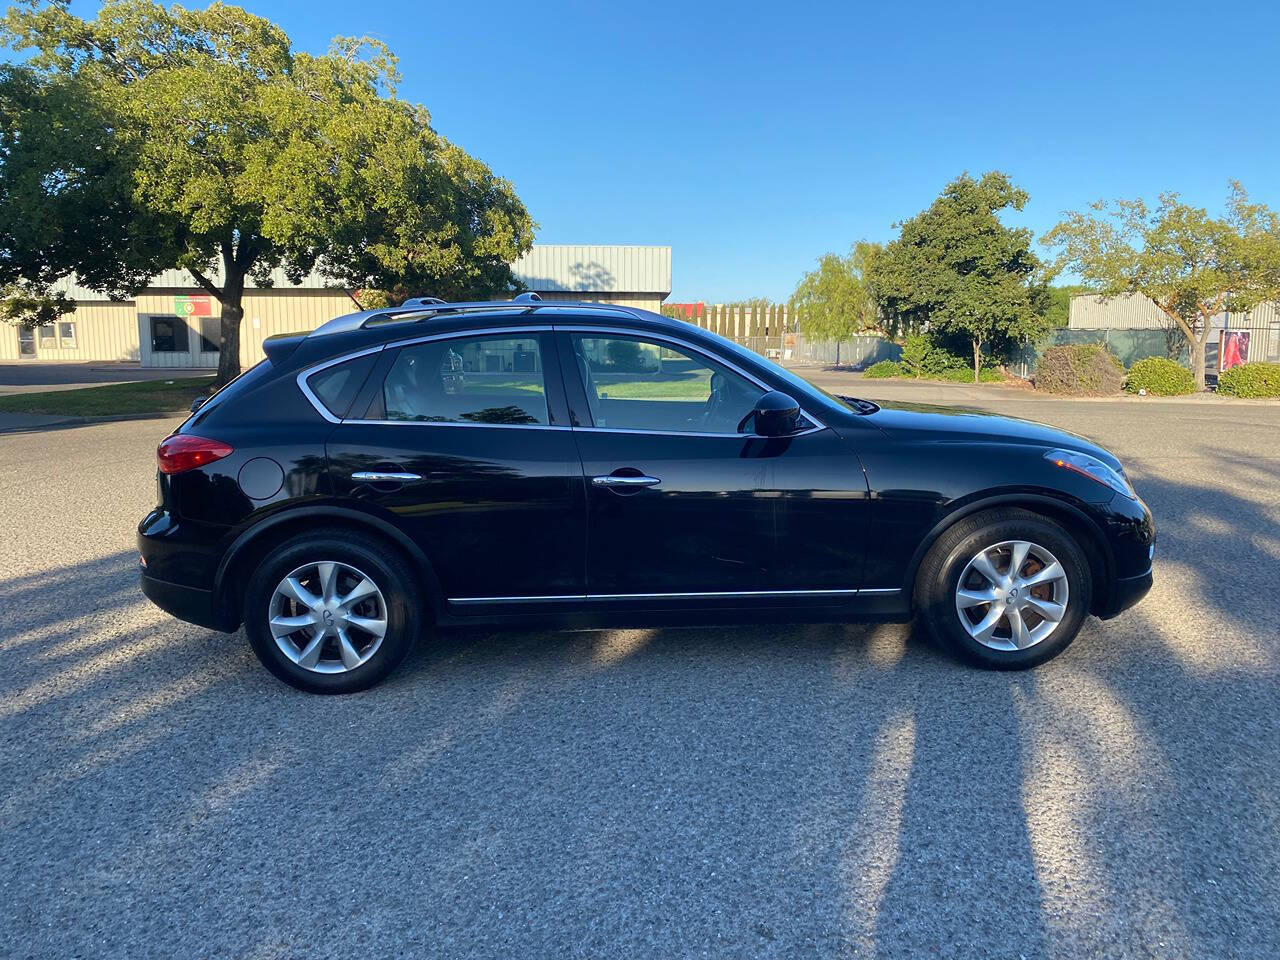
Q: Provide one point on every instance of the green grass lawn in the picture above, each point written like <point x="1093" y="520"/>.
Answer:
<point x="692" y="389"/>
<point x="146" y="396"/>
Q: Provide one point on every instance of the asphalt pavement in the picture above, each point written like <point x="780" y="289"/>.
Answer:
<point x="819" y="791"/>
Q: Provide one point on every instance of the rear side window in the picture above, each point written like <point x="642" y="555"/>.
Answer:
<point x="468" y="380"/>
<point x="336" y="386"/>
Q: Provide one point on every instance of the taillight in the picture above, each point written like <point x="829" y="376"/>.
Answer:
<point x="182" y="451"/>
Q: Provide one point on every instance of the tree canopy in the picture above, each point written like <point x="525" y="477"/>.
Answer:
<point x="1192" y="265"/>
<point x="153" y="137"/>
<point x="833" y="301"/>
<point x="957" y="269"/>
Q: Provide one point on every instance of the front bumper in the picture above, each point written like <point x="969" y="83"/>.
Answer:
<point x="1125" y="592"/>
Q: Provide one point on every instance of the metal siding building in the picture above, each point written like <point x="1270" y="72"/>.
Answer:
<point x="105" y="330"/>
<point x="1136" y="311"/>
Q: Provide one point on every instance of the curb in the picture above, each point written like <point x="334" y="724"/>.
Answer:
<point x="86" y="421"/>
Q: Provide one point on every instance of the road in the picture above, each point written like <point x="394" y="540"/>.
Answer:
<point x="39" y="376"/>
<point x="819" y="791"/>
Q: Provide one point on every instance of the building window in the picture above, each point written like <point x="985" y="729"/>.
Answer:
<point x="210" y="334"/>
<point x="67" y="334"/>
<point x="48" y="338"/>
<point x="168" y="335"/>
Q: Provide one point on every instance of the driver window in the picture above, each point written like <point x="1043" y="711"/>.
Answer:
<point x="634" y="384"/>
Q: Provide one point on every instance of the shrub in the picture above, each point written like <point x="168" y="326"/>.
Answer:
<point x="1160" y="377"/>
<point x="1254" y="379"/>
<point x="915" y="355"/>
<point x="965" y="375"/>
<point x="883" y="370"/>
<point x="1079" y="369"/>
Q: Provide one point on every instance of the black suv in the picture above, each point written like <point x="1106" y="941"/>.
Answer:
<point x="529" y="462"/>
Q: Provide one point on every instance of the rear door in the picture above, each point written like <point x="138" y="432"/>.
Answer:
<point x="463" y="439"/>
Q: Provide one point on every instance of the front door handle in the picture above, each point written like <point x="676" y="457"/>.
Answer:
<point x="385" y="476"/>
<point x="614" y="480"/>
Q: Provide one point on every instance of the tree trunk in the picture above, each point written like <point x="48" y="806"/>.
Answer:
<point x="1197" y="347"/>
<point x="977" y="359"/>
<point x="229" y="333"/>
<point x="837" y="352"/>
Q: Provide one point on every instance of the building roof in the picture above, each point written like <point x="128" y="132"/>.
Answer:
<point x="583" y="268"/>
<point x="578" y="268"/>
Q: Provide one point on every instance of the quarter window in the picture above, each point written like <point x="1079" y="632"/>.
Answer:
<point x="168" y="335"/>
<point x="635" y="384"/>
<point x="478" y="380"/>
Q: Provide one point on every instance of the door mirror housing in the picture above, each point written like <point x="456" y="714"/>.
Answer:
<point x="775" y="415"/>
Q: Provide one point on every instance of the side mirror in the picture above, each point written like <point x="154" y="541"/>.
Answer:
<point x="775" y="415"/>
<point x="197" y="403"/>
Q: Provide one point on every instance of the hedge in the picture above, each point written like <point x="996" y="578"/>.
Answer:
<point x="883" y="370"/>
<point x="1079" y="369"/>
<point x="1160" y="377"/>
<point x="1256" y="379"/>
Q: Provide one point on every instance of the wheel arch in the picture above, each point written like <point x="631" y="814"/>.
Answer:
<point x="251" y="545"/>
<point x="1074" y="520"/>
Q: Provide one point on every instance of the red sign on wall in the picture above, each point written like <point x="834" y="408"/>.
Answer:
<point x="195" y="305"/>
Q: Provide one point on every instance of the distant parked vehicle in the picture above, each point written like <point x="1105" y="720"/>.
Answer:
<point x="518" y="463"/>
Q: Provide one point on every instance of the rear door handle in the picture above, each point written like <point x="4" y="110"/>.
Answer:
<point x="385" y="476"/>
<point x="613" y="480"/>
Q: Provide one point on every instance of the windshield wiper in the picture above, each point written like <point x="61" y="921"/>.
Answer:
<point x="863" y="406"/>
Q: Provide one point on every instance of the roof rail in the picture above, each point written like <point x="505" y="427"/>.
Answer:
<point x="420" y="309"/>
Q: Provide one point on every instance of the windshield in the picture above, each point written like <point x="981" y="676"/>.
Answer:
<point x="802" y="386"/>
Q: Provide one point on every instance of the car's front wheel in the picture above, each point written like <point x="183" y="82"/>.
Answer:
<point x="331" y="614"/>
<point x="1007" y="589"/>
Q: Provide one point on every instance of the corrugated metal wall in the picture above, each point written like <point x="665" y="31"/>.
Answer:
<point x="267" y="313"/>
<point x="104" y="330"/>
<point x="597" y="268"/>
<point x="1135" y="311"/>
<point x="641" y="301"/>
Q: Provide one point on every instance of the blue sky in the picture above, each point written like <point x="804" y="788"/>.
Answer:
<point x="752" y="139"/>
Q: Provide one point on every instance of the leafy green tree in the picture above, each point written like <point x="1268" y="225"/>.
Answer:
<point x="1193" y="266"/>
<point x="957" y="269"/>
<point x="833" y="302"/>
<point x="231" y="155"/>
<point x="1058" y="309"/>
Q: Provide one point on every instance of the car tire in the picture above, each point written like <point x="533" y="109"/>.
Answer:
<point x="1002" y="634"/>
<point x="345" y="647"/>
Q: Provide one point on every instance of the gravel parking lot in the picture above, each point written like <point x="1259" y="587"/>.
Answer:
<point x="767" y="792"/>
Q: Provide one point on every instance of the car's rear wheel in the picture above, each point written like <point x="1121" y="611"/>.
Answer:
<point x="331" y="615"/>
<point x="1006" y="589"/>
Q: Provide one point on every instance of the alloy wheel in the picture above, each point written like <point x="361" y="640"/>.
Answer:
<point x="1012" y="595"/>
<point x="328" y="617"/>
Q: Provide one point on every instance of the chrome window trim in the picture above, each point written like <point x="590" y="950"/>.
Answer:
<point x="685" y="344"/>
<point x="696" y="595"/>
<point x="306" y="374"/>
<point x="537" y="329"/>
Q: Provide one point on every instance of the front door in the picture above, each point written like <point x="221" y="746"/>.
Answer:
<point x="680" y="502"/>
<point x="464" y="440"/>
<point x="26" y="343"/>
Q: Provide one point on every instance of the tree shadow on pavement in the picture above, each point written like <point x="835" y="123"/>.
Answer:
<point x="747" y="792"/>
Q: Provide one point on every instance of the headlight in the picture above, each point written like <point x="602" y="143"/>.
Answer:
<point x="1093" y="468"/>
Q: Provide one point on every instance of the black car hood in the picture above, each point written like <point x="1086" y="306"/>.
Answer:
<point x="927" y="423"/>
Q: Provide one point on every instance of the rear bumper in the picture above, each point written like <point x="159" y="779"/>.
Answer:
<point x="1125" y="592"/>
<point x="185" y="603"/>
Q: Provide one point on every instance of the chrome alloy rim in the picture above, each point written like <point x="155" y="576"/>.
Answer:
<point x="328" y="617"/>
<point x="1012" y="595"/>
